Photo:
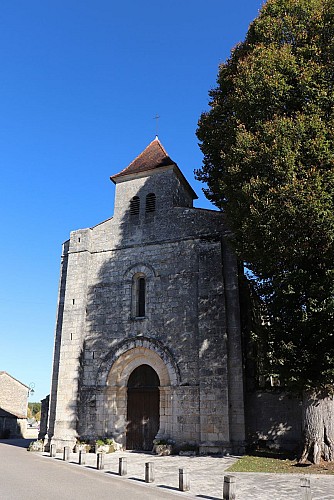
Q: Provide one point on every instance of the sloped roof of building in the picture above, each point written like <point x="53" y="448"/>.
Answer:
<point x="152" y="158"/>
<point x="2" y="372"/>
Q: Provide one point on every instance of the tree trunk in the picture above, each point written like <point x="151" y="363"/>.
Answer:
<point x="318" y="427"/>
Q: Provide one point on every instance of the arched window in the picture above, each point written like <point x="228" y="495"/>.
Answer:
<point x="135" y="205"/>
<point x="150" y="203"/>
<point x="139" y="295"/>
<point x="138" y="287"/>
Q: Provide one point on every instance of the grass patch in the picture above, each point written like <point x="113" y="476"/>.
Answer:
<point x="249" y="463"/>
<point x="279" y="463"/>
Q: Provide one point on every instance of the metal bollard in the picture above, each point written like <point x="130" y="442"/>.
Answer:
<point x="82" y="457"/>
<point x="229" y="488"/>
<point x="306" y="488"/>
<point x="149" y="472"/>
<point x="184" y="481"/>
<point x="122" y="466"/>
<point x="66" y="453"/>
<point x="53" y="450"/>
<point x="100" y="461"/>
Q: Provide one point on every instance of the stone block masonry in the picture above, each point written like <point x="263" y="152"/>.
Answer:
<point x="152" y="290"/>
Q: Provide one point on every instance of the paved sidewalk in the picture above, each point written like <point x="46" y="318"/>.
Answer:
<point x="207" y="477"/>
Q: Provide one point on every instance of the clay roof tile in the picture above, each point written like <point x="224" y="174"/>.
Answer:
<point x="154" y="156"/>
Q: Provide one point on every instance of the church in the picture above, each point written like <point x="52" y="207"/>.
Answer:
<point x="148" y="341"/>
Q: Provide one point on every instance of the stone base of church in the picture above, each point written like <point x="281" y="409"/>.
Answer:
<point x="236" y="448"/>
<point x="46" y="445"/>
<point x="60" y="444"/>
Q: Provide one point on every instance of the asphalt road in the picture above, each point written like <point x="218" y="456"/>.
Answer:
<point x="29" y="476"/>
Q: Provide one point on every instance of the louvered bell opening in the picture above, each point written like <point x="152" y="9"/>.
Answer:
<point x="150" y="202"/>
<point x="135" y="205"/>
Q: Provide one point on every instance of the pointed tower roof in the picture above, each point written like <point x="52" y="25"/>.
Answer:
<point x="153" y="157"/>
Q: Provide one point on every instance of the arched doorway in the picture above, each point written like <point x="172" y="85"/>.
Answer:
<point x="142" y="408"/>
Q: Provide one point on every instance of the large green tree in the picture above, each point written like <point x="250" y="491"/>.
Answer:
<point x="268" y="145"/>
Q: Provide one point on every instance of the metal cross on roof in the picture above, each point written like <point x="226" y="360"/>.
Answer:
<point x="157" y="123"/>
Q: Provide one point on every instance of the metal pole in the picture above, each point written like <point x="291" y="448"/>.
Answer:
<point x="184" y="481"/>
<point x="149" y="472"/>
<point x="229" y="488"/>
<point x="122" y="466"/>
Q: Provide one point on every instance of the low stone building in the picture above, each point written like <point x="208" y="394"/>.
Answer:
<point x="148" y="342"/>
<point x="13" y="406"/>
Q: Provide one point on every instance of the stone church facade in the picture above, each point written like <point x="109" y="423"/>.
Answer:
<point x="148" y="342"/>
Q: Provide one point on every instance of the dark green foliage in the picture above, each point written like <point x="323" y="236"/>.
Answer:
<point x="268" y="145"/>
<point x="34" y="408"/>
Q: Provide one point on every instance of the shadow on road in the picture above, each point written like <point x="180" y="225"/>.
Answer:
<point x="137" y="479"/>
<point x="206" y="496"/>
<point x="21" y="443"/>
<point x="167" y="487"/>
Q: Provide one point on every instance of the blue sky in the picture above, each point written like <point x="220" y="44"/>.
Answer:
<point x="81" y="82"/>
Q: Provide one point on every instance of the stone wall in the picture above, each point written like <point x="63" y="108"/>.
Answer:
<point x="273" y="419"/>
<point x="190" y="333"/>
<point x="190" y="324"/>
<point x="11" y="426"/>
<point x="13" y="406"/>
<point x="13" y="395"/>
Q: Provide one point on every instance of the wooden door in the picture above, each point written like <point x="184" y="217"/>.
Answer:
<point x="143" y="408"/>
